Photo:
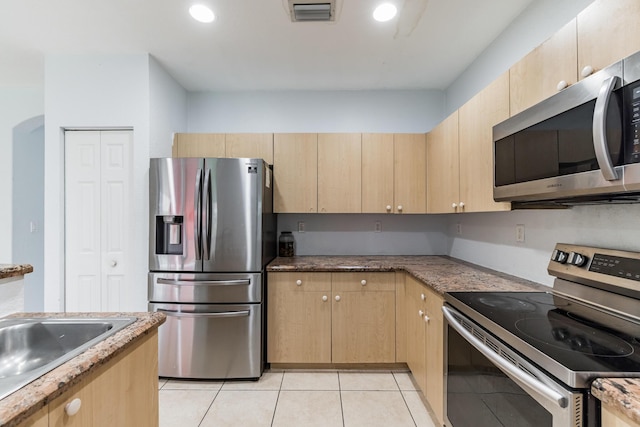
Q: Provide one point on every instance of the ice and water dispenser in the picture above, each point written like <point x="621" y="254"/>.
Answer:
<point x="169" y="239"/>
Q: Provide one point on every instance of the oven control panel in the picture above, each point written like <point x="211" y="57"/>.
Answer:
<point x="584" y="263"/>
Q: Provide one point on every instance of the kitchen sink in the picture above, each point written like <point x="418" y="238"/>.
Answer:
<point x="31" y="347"/>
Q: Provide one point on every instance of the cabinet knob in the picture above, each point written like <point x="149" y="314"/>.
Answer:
<point x="114" y="263"/>
<point x="562" y="84"/>
<point x="423" y="297"/>
<point x="454" y="205"/>
<point x="337" y="297"/>
<point x="586" y="71"/>
<point x="399" y="208"/>
<point x="73" y="407"/>
<point x="325" y="298"/>
<point x="426" y="318"/>
<point x="461" y="205"/>
<point x="298" y="282"/>
<point x="363" y="282"/>
<point x="420" y="313"/>
<point x="388" y="208"/>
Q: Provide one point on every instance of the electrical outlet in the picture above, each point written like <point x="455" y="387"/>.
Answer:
<point x="377" y="227"/>
<point x="520" y="233"/>
<point x="300" y="227"/>
<point x="458" y="228"/>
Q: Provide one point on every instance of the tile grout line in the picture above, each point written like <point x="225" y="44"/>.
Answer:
<point x="340" y="394"/>
<point x="404" y="400"/>
<point x="211" y="404"/>
<point x="275" y="408"/>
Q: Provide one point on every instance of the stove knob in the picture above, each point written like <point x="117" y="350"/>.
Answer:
<point x="577" y="259"/>
<point x="579" y="343"/>
<point x="559" y="256"/>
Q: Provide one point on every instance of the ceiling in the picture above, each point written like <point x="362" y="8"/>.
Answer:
<point x="253" y="45"/>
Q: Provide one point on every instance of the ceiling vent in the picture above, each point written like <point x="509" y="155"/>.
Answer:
<point x="312" y="10"/>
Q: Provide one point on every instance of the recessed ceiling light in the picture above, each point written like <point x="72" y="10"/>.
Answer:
<point x="202" y="13"/>
<point x="384" y="12"/>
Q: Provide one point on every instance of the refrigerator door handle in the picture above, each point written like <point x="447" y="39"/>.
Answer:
<point x="207" y="215"/>
<point x="197" y="232"/>
<point x="174" y="313"/>
<point x="205" y="282"/>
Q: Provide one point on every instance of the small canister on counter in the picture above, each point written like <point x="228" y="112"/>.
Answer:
<point x="286" y="244"/>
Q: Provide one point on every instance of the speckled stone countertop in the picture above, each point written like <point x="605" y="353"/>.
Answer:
<point x="620" y="395"/>
<point x="12" y="270"/>
<point x="443" y="274"/>
<point x="26" y="401"/>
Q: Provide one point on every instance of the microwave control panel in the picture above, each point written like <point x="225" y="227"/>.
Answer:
<point x="634" y="125"/>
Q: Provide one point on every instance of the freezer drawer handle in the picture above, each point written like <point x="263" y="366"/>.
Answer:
<point x="174" y="313"/>
<point x="205" y="282"/>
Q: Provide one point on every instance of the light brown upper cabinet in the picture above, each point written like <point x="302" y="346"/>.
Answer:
<point x="199" y="145"/>
<point x="394" y="172"/>
<point x="377" y="173"/>
<point x="544" y="71"/>
<point x="608" y="31"/>
<point x="295" y="172"/>
<point x="252" y="145"/>
<point x="339" y="172"/>
<point x="476" y="119"/>
<point x="443" y="175"/>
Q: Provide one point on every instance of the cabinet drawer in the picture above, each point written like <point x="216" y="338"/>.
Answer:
<point x="359" y="282"/>
<point x="300" y="281"/>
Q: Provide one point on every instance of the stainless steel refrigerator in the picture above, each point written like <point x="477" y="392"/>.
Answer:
<point x="211" y="233"/>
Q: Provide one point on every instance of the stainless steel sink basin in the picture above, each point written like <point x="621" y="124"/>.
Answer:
<point x="31" y="347"/>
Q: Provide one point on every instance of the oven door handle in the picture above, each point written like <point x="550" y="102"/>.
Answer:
<point x="521" y="378"/>
<point x="600" y="143"/>
<point x="174" y="313"/>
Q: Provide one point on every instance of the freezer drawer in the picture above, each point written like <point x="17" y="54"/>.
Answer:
<point x="210" y="341"/>
<point x="205" y="288"/>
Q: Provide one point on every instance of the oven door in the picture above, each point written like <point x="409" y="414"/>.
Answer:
<point x="488" y="384"/>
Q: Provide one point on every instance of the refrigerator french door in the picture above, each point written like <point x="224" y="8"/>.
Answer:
<point x="212" y="232"/>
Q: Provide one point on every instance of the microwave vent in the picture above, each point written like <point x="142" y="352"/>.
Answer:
<point x="312" y="10"/>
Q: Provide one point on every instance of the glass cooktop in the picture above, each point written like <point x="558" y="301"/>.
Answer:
<point x="579" y="337"/>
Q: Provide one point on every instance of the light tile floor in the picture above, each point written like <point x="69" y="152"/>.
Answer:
<point x="300" y="399"/>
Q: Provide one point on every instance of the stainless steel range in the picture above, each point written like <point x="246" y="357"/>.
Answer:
<point x="528" y="358"/>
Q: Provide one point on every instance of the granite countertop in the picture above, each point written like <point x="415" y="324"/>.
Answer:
<point x="12" y="270"/>
<point x="26" y="401"/>
<point x="446" y="274"/>
<point x="442" y="273"/>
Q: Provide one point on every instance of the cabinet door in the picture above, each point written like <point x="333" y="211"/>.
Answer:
<point x="252" y="145"/>
<point x="410" y="173"/>
<point x="295" y="172"/>
<point x="377" y="173"/>
<point x="339" y="173"/>
<point x="476" y="120"/>
<point x="363" y="318"/>
<point x="443" y="182"/>
<point x="536" y="76"/>
<point x="608" y="31"/>
<point x="614" y="419"/>
<point x="199" y="145"/>
<point x="299" y="318"/>
<point x="401" y="324"/>
<point x="39" y="419"/>
<point x="434" y="353"/>
<point x="416" y="331"/>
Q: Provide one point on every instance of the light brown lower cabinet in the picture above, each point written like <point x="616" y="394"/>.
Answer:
<point x="123" y="392"/>
<point x="331" y="318"/>
<point x="611" y="418"/>
<point x="425" y="335"/>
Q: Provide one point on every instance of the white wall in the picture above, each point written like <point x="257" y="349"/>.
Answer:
<point x="16" y="106"/>
<point x="315" y="111"/>
<point x="167" y="109"/>
<point x="94" y="91"/>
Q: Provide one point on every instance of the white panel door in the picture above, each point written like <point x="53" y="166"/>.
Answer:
<point x="97" y="219"/>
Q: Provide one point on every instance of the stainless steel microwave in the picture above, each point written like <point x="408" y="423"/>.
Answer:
<point x="580" y="145"/>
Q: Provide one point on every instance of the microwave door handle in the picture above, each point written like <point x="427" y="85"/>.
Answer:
<point x="198" y="219"/>
<point x="600" y="128"/>
<point x="207" y="215"/>
<point x="522" y="379"/>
